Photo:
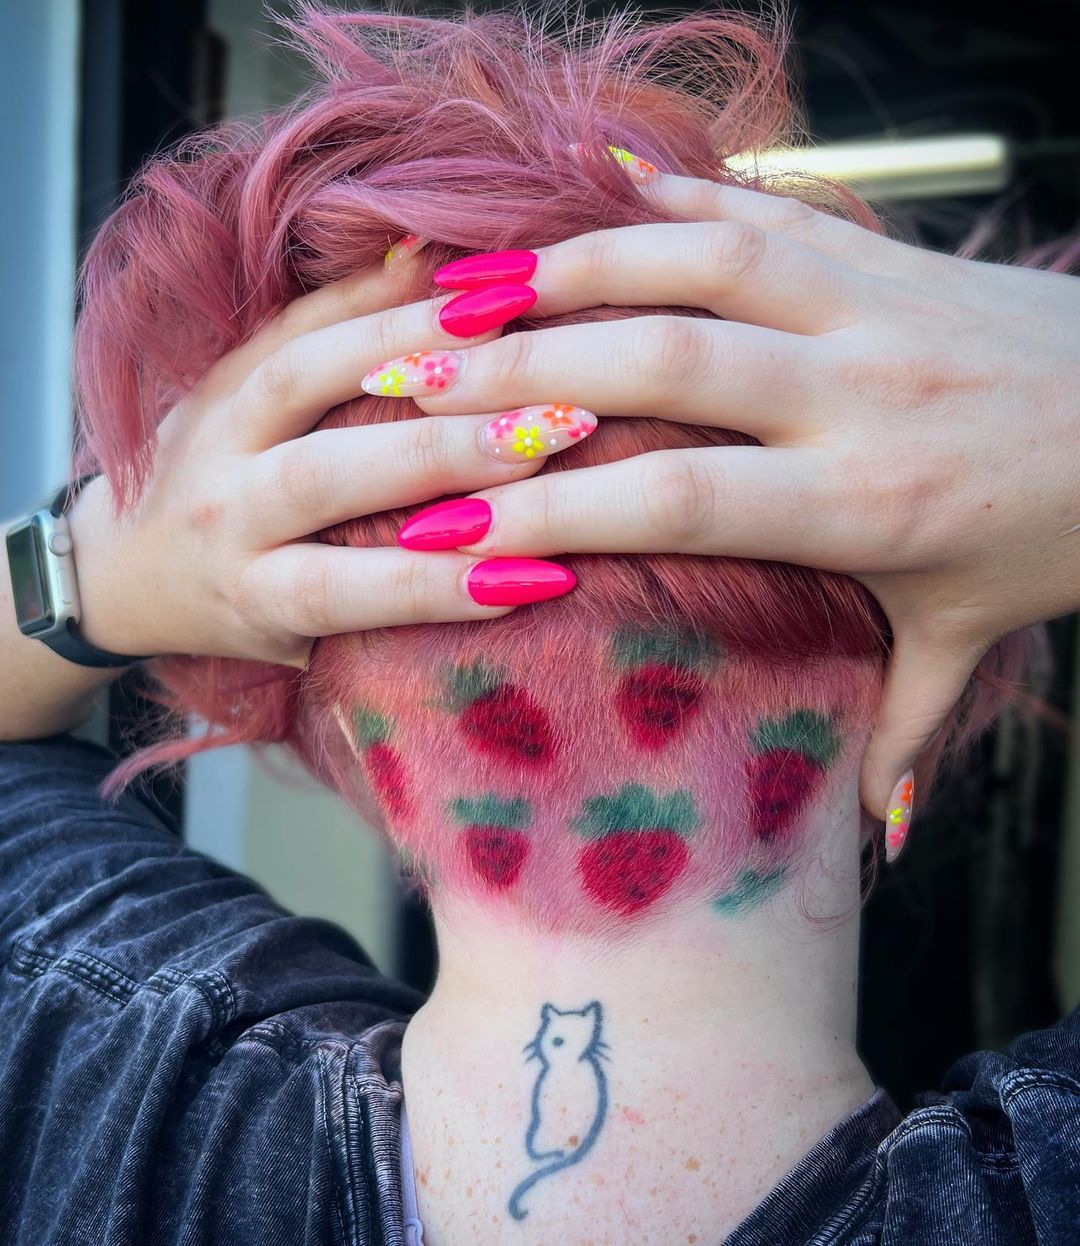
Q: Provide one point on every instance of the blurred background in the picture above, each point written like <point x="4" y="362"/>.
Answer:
<point x="960" y="117"/>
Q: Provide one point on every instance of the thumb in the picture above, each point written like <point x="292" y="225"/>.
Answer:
<point x="925" y="678"/>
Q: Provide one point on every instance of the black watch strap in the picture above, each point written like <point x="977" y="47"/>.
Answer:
<point x="70" y="644"/>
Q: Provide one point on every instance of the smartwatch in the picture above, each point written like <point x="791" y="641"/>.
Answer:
<point x="44" y="586"/>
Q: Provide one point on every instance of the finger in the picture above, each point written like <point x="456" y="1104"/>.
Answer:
<point x="362" y="293"/>
<point x="923" y="682"/>
<point x="681" y="368"/>
<point x="711" y="500"/>
<point x="312" y="589"/>
<point x="331" y="475"/>
<point x="307" y="375"/>
<point x="697" y="199"/>
<point x="731" y="268"/>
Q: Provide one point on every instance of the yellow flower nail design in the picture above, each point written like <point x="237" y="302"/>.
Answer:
<point x="531" y="440"/>
<point x="527" y="441"/>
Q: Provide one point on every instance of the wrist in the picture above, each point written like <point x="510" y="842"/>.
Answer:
<point x="106" y="574"/>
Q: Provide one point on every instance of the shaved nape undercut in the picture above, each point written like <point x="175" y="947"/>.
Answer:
<point x="583" y="779"/>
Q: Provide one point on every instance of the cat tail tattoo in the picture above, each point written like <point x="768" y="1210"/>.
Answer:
<point x="569" y="1046"/>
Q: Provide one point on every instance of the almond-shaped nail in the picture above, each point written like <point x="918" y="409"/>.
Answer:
<point x="515" y="267"/>
<point x="477" y="311"/>
<point x="424" y="372"/>
<point x="446" y="525"/>
<point x="404" y="249"/>
<point x="518" y="581"/>
<point x="535" y="432"/>
<point x="898" y="816"/>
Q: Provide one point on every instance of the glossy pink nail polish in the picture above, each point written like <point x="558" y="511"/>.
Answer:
<point x="480" y="270"/>
<point x="477" y="311"/>
<point x="518" y="581"/>
<point x="446" y="525"/>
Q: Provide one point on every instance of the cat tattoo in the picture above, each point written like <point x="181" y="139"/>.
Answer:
<point x="569" y="1047"/>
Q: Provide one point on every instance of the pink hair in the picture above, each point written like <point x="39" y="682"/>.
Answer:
<point x="459" y="130"/>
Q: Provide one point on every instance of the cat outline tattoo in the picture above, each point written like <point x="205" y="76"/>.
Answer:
<point x="569" y="1046"/>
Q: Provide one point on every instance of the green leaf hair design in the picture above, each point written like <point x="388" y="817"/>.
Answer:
<point x="637" y="845"/>
<point x="635" y="807"/>
<point x="789" y="757"/>
<point x="493" y="836"/>
<point x="383" y="764"/>
<point x="750" y="891"/>
<point x="809" y="731"/>
<point x="496" y="716"/>
<point x="636" y="646"/>
<point x="663" y="677"/>
<point x="489" y="810"/>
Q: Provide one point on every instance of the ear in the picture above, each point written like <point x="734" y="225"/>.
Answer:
<point x="593" y="1008"/>
<point x="547" y="1012"/>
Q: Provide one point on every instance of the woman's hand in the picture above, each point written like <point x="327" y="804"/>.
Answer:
<point x="218" y="557"/>
<point x="918" y="414"/>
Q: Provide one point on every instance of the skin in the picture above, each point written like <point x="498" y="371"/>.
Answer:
<point x="730" y="1051"/>
<point x="917" y="412"/>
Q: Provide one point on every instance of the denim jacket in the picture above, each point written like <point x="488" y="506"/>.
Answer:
<point x="184" y="1061"/>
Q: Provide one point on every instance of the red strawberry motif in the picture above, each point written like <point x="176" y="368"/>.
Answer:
<point x="639" y="846"/>
<point x="497" y="717"/>
<point x="496" y="847"/>
<point x="382" y="762"/>
<point x="790" y="757"/>
<point x="663" y="680"/>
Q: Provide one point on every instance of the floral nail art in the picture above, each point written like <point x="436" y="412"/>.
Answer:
<point x="410" y="376"/>
<point x="898" y="816"/>
<point x="404" y="249"/>
<point x="640" y="170"/>
<point x="536" y="431"/>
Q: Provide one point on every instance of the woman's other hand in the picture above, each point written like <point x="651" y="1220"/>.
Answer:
<point x="218" y="559"/>
<point x="918" y="416"/>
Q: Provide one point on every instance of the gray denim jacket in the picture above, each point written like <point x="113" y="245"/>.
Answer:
<point x="182" y="1061"/>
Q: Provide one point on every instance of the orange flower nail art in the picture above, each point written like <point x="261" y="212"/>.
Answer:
<point x="898" y="816"/>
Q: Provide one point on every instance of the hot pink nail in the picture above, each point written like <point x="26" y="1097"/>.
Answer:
<point x="517" y="581"/>
<point x="480" y="270"/>
<point x="477" y="311"/>
<point x="446" y="525"/>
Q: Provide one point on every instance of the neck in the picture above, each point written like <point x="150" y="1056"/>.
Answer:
<point x="729" y="1051"/>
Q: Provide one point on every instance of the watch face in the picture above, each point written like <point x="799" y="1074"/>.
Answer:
<point x="28" y="579"/>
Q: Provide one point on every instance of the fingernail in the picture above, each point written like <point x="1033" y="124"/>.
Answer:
<point x="477" y="311"/>
<point x="446" y="525"/>
<point x="535" y="432"/>
<point x="404" y="249"/>
<point x="516" y="267"/>
<point x="898" y="816"/>
<point x="424" y="372"/>
<point x="640" y="170"/>
<point x="517" y="581"/>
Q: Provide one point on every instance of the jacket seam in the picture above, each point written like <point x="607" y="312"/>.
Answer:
<point x="86" y="969"/>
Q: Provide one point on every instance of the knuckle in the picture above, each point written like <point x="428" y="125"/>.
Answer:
<point x="793" y="214"/>
<point x="679" y="498"/>
<point x="673" y="349"/>
<point x="427" y="453"/>
<point x="512" y="360"/>
<point x="706" y="199"/>
<point x="305" y="597"/>
<point x="276" y="377"/>
<point x="301" y="480"/>
<point x="596" y="258"/>
<point x="410" y="590"/>
<point x="733" y="249"/>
